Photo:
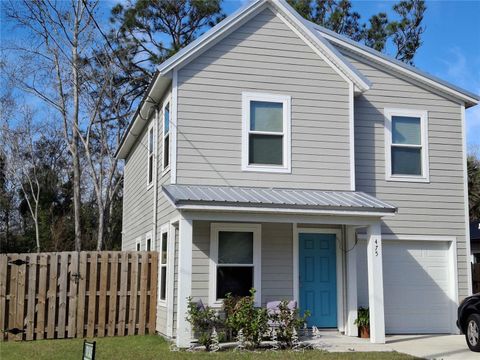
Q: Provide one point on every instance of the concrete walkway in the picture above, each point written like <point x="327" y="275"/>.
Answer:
<point x="446" y="347"/>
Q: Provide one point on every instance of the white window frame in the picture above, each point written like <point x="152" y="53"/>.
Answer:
<point x="286" y="100"/>
<point x="164" y="229"/>
<point x="138" y="244"/>
<point x="256" y="229"/>
<point x="149" y="235"/>
<point x="423" y="115"/>
<point x="151" y="127"/>
<point x="166" y="169"/>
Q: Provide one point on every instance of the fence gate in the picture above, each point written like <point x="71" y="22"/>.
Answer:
<point x="77" y="294"/>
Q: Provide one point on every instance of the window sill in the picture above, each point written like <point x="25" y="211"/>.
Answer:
<point x="162" y="303"/>
<point x="279" y="170"/>
<point x="149" y="186"/>
<point x="413" y="179"/>
<point x="166" y="171"/>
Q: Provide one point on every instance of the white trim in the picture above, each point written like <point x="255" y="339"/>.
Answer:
<point x="184" y="290"/>
<point x="215" y="208"/>
<point x="466" y="204"/>
<point x="423" y="115"/>
<point x="247" y="98"/>
<point x="331" y="53"/>
<point x="155" y="182"/>
<point x="375" y="283"/>
<point x="196" y="47"/>
<point x="151" y="127"/>
<point x="216" y="33"/>
<point x="164" y="229"/>
<point x="351" y="283"/>
<point x="296" y="264"/>
<point x="357" y="49"/>
<point x="339" y="268"/>
<point x="166" y="169"/>
<point x="256" y="229"/>
<point x="453" y="264"/>
<point x="173" y="128"/>
<point x="394" y="237"/>
<point x="149" y="236"/>
<point x="318" y="52"/>
<point x="280" y="218"/>
<point x="171" y="276"/>
<point x="351" y="117"/>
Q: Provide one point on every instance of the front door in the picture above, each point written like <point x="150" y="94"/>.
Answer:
<point x="318" y="278"/>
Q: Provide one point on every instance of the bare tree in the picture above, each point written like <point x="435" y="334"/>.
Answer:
<point x="107" y="119"/>
<point x="22" y="164"/>
<point x="61" y="34"/>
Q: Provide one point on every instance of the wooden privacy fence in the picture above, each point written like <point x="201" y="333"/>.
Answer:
<point x="77" y="294"/>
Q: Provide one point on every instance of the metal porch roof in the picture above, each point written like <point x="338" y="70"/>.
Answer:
<point x="183" y="195"/>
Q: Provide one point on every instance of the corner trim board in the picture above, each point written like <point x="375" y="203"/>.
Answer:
<point x="174" y="131"/>
<point x="465" y="196"/>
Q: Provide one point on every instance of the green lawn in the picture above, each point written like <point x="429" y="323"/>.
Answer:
<point x="154" y="347"/>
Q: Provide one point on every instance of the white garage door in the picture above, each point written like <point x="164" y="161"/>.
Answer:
<point x="417" y="286"/>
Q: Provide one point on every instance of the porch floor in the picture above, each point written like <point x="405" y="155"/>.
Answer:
<point x="429" y="346"/>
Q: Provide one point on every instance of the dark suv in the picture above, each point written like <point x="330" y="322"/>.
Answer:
<point x="469" y="321"/>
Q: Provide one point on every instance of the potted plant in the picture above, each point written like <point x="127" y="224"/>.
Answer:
<point x="363" y="322"/>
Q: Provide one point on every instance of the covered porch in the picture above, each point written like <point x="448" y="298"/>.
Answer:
<point x="303" y="250"/>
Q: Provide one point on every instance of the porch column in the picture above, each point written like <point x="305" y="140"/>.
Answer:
<point x="184" y="281"/>
<point x="375" y="283"/>
<point x="352" y="305"/>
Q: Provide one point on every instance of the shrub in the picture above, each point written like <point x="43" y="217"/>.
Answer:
<point x="229" y="305"/>
<point x="363" y="318"/>
<point x="203" y="319"/>
<point x="285" y="320"/>
<point x="243" y="314"/>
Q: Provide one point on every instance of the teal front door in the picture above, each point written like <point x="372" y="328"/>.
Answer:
<point x="318" y="278"/>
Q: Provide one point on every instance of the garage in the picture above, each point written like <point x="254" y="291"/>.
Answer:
<point x="419" y="283"/>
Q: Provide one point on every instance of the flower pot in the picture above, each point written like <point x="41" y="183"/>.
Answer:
<point x="364" y="332"/>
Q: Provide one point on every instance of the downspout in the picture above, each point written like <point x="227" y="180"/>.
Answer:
<point x="155" y="181"/>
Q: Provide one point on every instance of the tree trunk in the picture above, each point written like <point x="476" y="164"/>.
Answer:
<point x="101" y="223"/>
<point x="77" y="200"/>
<point x="37" y="235"/>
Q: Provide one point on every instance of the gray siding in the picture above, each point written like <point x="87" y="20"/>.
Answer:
<point x="138" y="216"/>
<point x="264" y="55"/>
<point x="277" y="262"/>
<point x="435" y="208"/>
<point x="137" y="200"/>
<point x="165" y="211"/>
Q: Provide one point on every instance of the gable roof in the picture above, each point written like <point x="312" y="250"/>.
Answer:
<point x="239" y="17"/>
<point x="326" y="43"/>
<point x="412" y="72"/>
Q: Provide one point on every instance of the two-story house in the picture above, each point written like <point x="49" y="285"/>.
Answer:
<point x="273" y="154"/>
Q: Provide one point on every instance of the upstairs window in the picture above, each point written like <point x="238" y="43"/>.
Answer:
<point x="166" y="136"/>
<point x="406" y="145"/>
<point x="266" y="133"/>
<point x="151" y="154"/>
